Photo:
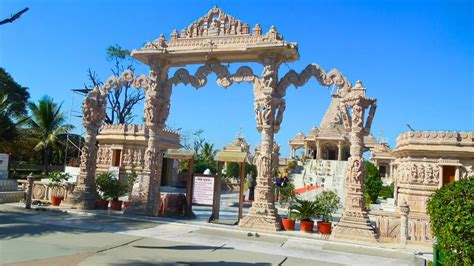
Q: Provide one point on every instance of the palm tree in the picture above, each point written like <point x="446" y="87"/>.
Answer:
<point x="208" y="152"/>
<point x="46" y="123"/>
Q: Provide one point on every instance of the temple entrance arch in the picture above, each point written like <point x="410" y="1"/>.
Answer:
<point x="212" y="40"/>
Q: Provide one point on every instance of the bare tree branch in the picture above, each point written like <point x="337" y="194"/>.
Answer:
<point x="14" y="17"/>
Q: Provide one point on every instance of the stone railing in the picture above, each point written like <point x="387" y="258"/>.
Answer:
<point x="464" y="138"/>
<point x="124" y="129"/>
<point x="42" y="192"/>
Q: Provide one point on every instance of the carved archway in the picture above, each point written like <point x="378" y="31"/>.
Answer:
<point x="214" y="38"/>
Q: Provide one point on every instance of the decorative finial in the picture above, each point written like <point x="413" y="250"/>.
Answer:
<point x="257" y="30"/>
<point x="174" y="34"/>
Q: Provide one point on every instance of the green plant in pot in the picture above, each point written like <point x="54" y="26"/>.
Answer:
<point x="112" y="188"/>
<point x="102" y="181"/>
<point x="56" y="181"/>
<point x="287" y="197"/>
<point x="304" y="210"/>
<point x="327" y="202"/>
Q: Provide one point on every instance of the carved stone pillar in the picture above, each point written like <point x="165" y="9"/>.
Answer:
<point x="29" y="191"/>
<point x="339" y="151"/>
<point x="318" y="150"/>
<point x="85" y="193"/>
<point x="145" y="197"/>
<point x="355" y="224"/>
<point x="269" y="107"/>
<point x="404" y="210"/>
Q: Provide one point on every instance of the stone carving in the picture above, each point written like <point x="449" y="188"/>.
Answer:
<point x="355" y="170"/>
<point x="224" y="78"/>
<point x="215" y="23"/>
<point x="334" y="77"/>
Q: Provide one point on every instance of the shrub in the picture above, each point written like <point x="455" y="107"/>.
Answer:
<point x="327" y="202"/>
<point x="291" y="165"/>
<point x="373" y="183"/>
<point x="111" y="187"/>
<point x="451" y="210"/>
<point x="304" y="209"/>
<point x="387" y="191"/>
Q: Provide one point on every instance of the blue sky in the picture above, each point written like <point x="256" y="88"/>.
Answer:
<point x="415" y="57"/>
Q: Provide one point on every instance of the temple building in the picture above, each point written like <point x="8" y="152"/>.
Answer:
<point x="382" y="156"/>
<point x="423" y="162"/>
<point x="122" y="149"/>
<point x="329" y="141"/>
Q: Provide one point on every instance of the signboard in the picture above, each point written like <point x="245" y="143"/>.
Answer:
<point x="3" y="166"/>
<point x="203" y="190"/>
<point x="73" y="172"/>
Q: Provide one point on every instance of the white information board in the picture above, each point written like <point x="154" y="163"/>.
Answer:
<point x="3" y="166"/>
<point x="203" y="190"/>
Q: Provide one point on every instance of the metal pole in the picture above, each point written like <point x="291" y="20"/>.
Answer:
<point x="67" y="133"/>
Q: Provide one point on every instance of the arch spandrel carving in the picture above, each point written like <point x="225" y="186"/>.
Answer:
<point x="333" y="77"/>
<point x="224" y="77"/>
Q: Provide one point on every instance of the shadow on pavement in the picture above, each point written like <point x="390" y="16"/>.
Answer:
<point x="211" y="263"/>
<point x="11" y="228"/>
<point x="184" y="247"/>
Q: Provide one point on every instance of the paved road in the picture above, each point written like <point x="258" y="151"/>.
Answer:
<point x="55" y="238"/>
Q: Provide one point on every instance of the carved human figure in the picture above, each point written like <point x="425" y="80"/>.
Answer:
<point x="421" y="173"/>
<point x="357" y="116"/>
<point x="428" y="174"/>
<point x="413" y="173"/>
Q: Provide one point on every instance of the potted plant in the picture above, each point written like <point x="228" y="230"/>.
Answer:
<point x="304" y="211"/>
<point x="113" y="190"/>
<point x="56" y="180"/>
<point x="327" y="203"/>
<point x="102" y="184"/>
<point x="287" y="196"/>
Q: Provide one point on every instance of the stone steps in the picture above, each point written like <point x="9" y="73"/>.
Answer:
<point x="11" y="196"/>
<point x="9" y="191"/>
<point x="8" y="185"/>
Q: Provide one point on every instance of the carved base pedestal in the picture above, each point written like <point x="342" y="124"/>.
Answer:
<point x="81" y="199"/>
<point x="262" y="216"/>
<point x="354" y="228"/>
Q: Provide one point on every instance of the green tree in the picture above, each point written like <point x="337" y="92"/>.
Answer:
<point x="233" y="170"/>
<point x="13" y="99"/>
<point x="46" y="123"/>
<point x="8" y="128"/>
<point x="451" y="211"/>
<point x="17" y="95"/>
<point x="373" y="183"/>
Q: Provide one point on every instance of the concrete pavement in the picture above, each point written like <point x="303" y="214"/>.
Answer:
<point x="58" y="238"/>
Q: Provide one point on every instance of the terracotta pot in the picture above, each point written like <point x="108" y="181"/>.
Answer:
<point x="288" y="224"/>
<point x="55" y="201"/>
<point x="101" y="204"/>
<point x="116" y="205"/>
<point x="306" y="226"/>
<point x="126" y="204"/>
<point x="324" y="228"/>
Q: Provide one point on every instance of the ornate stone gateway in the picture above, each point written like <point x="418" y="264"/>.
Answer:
<point x="214" y="39"/>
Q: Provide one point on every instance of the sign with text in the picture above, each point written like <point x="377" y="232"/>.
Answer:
<point x="203" y="190"/>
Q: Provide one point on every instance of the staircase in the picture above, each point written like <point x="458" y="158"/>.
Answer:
<point x="9" y="191"/>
